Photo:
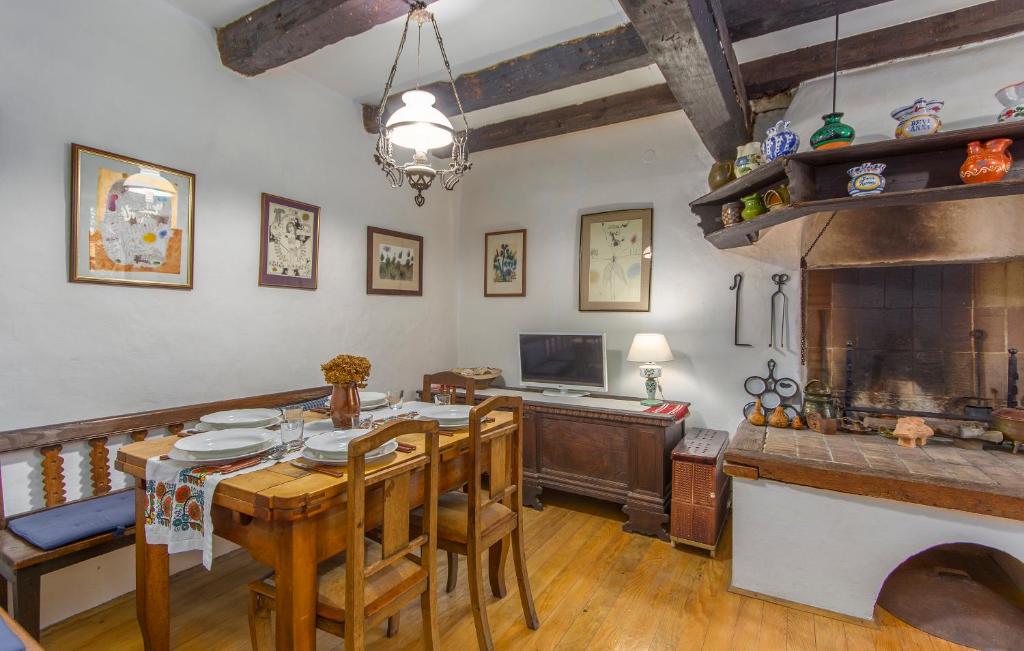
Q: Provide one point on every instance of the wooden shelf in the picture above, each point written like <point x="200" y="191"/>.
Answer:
<point x="919" y="170"/>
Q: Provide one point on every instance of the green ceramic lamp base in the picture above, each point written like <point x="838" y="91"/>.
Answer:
<point x="652" y="403"/>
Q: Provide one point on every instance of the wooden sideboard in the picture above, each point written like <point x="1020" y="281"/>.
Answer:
<point x="603" y="447"/>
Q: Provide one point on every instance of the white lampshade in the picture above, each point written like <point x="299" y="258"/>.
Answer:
<point x="149" y="182"/>
<point x="649" y="347"/>
<point x="418" y="125"/>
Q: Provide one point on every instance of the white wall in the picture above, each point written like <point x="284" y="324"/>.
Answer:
<point x="140" y="78"/>
<point x="543" y="186"/>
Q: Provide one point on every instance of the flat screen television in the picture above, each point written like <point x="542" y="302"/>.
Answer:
<point x="563" y="364"/>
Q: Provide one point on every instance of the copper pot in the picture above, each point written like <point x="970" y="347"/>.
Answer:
<point x="1010" y="422"/>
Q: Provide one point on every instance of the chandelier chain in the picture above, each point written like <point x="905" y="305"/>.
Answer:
<point x="448" y="67"/>
<point x="391" y="76"/>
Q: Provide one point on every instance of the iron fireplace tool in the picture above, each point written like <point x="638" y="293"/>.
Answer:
<point x="737" y="283"/>
<point x="1011" y="378"/>
<point x="771" y="391"/>
<point x="779" y="280"/>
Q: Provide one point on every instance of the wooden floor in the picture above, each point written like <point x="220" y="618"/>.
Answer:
<point x="595" y="587"/>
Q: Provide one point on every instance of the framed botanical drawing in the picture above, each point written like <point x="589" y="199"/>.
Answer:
<point x="505" y="263"/>
<point x="394" y="262"/>
<point x="615" y="261"/>
<point x="132" y="222"/>
<point x="289" y="242"/>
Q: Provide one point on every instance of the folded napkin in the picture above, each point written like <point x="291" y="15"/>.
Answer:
<point x="677" y="410"/>
<point x="179" y="496"/>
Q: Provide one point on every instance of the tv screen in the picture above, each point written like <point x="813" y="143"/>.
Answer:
<point x="562" y="360"/>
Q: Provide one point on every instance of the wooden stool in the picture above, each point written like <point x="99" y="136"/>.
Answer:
<point x="700" y="489"/>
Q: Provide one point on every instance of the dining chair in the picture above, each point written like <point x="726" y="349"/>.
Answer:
<point x="375" y="580"/>
<point x="448" y="382"/>
<point x="470" y="523"/>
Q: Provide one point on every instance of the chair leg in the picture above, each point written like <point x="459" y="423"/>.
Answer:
<point x="453" y="572"/>
<point x="476" y="599"/>
<point x="496" y="557"/>
<point x="393" y="623"/>
<point x="428" y="613"/>
<point x="525" y="594"/>
<point x="259" y="620"/>
<point x="3" y="594"/>
<point x="26" y="601"/>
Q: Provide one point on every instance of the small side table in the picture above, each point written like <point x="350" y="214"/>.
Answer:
<point x="701" y="491"/>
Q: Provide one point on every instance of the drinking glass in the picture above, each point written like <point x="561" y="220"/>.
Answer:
<point x="442" y="399"/>
<point x="292" y="418"/>
<point x="363" y="421"/>
<point x="395" y="398"/>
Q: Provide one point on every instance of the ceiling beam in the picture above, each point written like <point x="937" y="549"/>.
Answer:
<point x="566" y="64"/>
<point x="748" y="19"/>
<point x="697" y="60"/>
<point x="785" y="71"/>
<point x="285" y="30"/>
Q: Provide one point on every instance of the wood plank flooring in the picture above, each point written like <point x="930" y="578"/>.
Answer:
<point x="595" y="587"/>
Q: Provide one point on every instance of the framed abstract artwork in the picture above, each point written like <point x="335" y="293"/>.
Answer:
<point x="394" y="262"/>
<point x="615" y="261"/>
<point x="505" y="263"/>
<point x="289" y="242"/>
<point x="132" y="222"/>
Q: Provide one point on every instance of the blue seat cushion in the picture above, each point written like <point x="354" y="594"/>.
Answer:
<point x="8" y="640"/>
<point x="70" y="523"/>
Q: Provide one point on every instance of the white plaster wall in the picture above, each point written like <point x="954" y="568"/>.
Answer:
<point x="543" y="186"/>
<point x="140" y="78"/>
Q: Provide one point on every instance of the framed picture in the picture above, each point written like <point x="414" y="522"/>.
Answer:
<point x="615" y="261"/>
<point x="394" y="262"/>
<point x="289" y="242"/>
<point x="132" y="222"/>
<point x="505" y="263"/>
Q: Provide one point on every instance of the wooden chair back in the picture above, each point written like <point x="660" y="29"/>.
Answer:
<point x="394" y="483"/>
<point x="448" y="382"/>
<point x="505" y="469"/>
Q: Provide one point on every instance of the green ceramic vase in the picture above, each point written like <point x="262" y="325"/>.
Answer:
<point x="833" y="133"/>
<point x="752" y="206"/>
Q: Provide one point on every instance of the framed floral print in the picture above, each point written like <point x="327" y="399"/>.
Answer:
<point x="289" y="242"/>
<point x="615" y="261"/>
<point x="394" y="262"/>
<point x="132" y="222"/>
<point x="505" y="263"/>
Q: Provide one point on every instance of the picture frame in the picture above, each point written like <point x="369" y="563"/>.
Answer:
<point x="132" y="222"/>
<point x="615" y="260"/>
<point x="394" y="262"/>
<point x="505" y="263"/>
<point x="289" y="242"/>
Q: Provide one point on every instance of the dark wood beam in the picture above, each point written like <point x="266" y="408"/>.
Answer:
<point x="631" y="105"/>
<point x="688" y="41"/>
<point x="559" y="66"/>
<point x="285" y="30"/>
<point x="748" y="19"/>
<point x="785" y="71"/>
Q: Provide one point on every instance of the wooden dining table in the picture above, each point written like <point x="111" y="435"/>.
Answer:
<point x="288" y="518"/>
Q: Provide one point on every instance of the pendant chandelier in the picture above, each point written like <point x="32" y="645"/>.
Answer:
<point x="419" y="126"/>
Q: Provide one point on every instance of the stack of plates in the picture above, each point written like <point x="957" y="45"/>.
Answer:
<point x="237" y="443"/>
<point x="372" y="399"/>
<point x="448" y="416"/>
<point x="246" y="418"/>
<point x="332" y="447"/>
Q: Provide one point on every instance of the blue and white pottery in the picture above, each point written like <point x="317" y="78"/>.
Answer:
<point x="866" y="180"/>
<point x="779" y="141"/>
<point x="918" y="119"/>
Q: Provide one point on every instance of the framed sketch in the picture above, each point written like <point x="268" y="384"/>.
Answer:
<point x="132" y="222"/>
<point x="615" y="261"/>
<point x="289" y="242"/>
<point x="394" y="262"/>
<point x="505" y="263"/>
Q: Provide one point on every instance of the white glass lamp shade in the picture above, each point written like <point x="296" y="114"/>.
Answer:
<point x="149" y="182"/>
<point x="419" y="125"/>
<point x="649" y="347"/>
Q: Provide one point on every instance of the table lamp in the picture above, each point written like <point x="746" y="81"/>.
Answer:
<point x="650" y="348"/>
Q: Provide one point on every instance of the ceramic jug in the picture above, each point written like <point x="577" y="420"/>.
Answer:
<point x="988" y="163"/>
<point x="866" y="180"/>
<point x="779" y="141"/>
<point x="721" y="173"/>
<point x="918" y="119"/>
<point x="748" y="158"/>
<point x="752" y="206"/>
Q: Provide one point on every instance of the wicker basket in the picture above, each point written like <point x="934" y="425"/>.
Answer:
<point x="483" y="375"/>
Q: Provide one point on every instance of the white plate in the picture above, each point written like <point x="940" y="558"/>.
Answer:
<point x="334" y="444"/>
<point x="372" y="455"/>
<point x="447" y="414"/>
<point x="367" y="397"/>
<point x="367" y="406"/>
<point x="180" y="455"/>
<point x="317" y="427"/>
<point x="221" y="443"/>
<point x="241" y="418"/>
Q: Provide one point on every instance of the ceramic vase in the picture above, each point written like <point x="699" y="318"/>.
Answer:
<point x="777" y="198"/>
<point x="866" y="180"/>
<point x="721" y="173"/>
<point x="344" y="404"/>
<point x="779" y="141"/>
<point x="732" y="213"/>
<point x="833" y="133"/>
<point x="752" y="206"/>
<point x="988" y="163"/>
<point x="748" y="158"/>
<point x="1012" y="99"/>
<point x="918" y="119"/>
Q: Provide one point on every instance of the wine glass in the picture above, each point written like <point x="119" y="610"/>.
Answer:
<point x="396" y="397"/>
<point x="292" y="420"/>
<point x="442" y="399"/>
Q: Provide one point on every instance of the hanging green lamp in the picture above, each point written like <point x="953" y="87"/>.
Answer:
<point x="834" y="133"/>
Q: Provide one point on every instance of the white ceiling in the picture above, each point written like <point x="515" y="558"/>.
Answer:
<point x="480" y="33"/>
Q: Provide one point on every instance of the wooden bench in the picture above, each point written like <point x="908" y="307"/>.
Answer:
<point x="22" y="564"/>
